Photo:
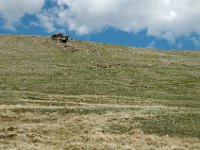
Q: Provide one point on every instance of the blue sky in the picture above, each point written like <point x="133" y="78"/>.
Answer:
<point x="162" y="24"/>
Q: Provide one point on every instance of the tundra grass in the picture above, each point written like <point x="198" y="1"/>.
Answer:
<point x="97" y="96"/>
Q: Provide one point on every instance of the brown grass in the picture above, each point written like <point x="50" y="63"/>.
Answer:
<point x="36" y="126"/>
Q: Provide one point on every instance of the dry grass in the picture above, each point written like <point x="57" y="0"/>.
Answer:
<point x="53" y="124"/>
<point x="52" y="97"/>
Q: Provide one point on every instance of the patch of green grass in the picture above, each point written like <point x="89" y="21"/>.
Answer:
<point x="39" y="65"/>
<point x="117" y="128"/>
<point x="178" y="124"/>
<point x="173" y="124"/>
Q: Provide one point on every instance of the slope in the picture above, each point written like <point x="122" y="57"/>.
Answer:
<point x="97" y="96"/>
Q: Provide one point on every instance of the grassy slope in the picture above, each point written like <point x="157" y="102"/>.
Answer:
<point x="97" y="96"/>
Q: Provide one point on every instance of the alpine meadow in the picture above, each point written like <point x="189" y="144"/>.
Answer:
<point x="97" y="96"/>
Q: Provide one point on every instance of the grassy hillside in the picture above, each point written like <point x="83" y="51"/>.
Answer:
<point x="97" y="96"/>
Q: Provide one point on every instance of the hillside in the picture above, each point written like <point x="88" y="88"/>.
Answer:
<point x="97" y="96"/>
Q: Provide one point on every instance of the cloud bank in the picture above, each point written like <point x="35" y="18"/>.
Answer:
<point x="161" y="18"/>
<point x="11" y="11"/>
<point x="166" y="19"/>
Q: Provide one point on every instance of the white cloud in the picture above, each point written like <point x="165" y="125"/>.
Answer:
<point x="151" y="44"/>
<point x="13" y="10"/>
<point x="165" y="19"/>
<point x="47" y="21"/>
<point x="196" y="41"/>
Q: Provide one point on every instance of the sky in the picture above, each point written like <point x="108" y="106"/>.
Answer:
<point x="160" y="24"/>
